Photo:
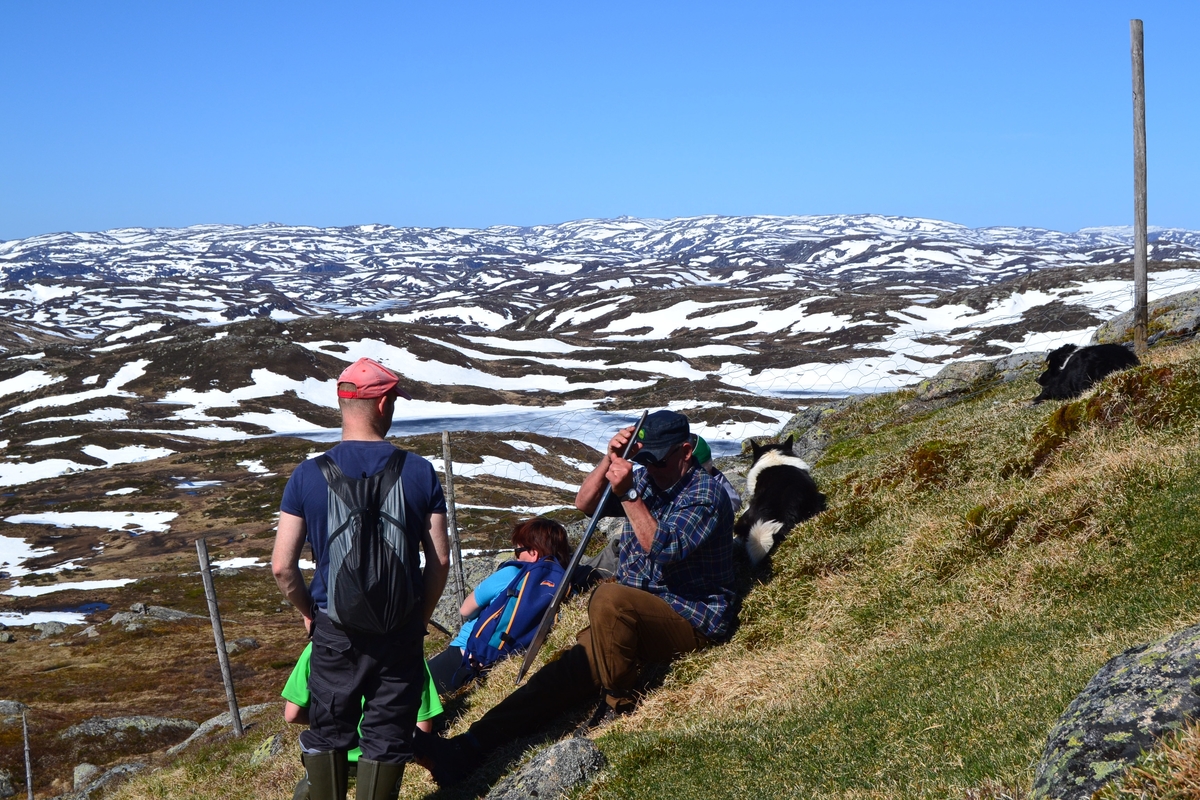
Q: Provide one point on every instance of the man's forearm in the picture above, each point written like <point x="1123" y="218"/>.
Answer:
<point x="291" y="583"/>
<point x="434" y="578"/>
<point x="588" y="497"/>
<point x="645" y="527"/>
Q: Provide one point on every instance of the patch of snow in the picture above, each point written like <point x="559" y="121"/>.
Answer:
<point x="503" y="468"/>
<point x="134" y="332"/>
<point x="52" y="440"/>
<point x="141" y="521"/>
<point x="125" y="490"/>
<point x="257" y="467"/>
<point x="239" y="563"/>
<point x="133" y="454"/>
<point x="28" y="381"/>
<point x="95" y="415"/>
<point x="520" y="445"/>
<point x="127" y="373"/>
<point x="24" y="619"/>
<point x="38" y="591"/>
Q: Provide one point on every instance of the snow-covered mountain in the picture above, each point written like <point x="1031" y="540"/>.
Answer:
<point x="156" y="385"/>
<point x="497" y="276"/>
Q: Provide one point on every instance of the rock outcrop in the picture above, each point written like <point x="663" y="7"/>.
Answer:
<point x="1175" y="315"/>
<point x="140" y="615"/>
<point x="215" y="724"/>
<point x="956" y="378"/>
<point x="553" y="772"/>
<point x="1132" y="701"/>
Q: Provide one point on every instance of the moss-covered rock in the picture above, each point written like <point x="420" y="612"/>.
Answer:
<point x="1133" y="700"/>
<point x="1175" y="315"/>
<point x="955" y="378"/>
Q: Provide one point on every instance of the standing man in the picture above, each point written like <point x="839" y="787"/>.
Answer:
<point x="375" y="677"/>
<point x="674" y="593"/>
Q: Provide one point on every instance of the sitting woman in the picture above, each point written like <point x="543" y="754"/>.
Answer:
<point x="534" y="540"/>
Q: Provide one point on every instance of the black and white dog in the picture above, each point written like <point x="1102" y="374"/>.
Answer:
<point x="782" y="493"/>
<point x="1070" y="371"/>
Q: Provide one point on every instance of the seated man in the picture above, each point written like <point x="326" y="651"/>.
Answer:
<point x="674" y="594"/>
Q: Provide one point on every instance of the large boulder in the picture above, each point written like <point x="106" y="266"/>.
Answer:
<point x="809" y="432"/>
<point x="1132" y="701"/>
<point x="1175" y="315"/>
<point x="217" y="725"/>
<point x="102" y="740"/>
<point x="475" y="569"/>
<point x="140" y="615"/>
<point x="106" y="781"/>
<point x="956" y="378"/>
<point x="553" y="772"/>
<point x="7" y="787"/>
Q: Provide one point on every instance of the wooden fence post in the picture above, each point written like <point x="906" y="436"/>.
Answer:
<point x="456" y="571"/>
<point x="28" y="760"/>
<point x="1140" y="245"/>
<point x="210" y="592"/>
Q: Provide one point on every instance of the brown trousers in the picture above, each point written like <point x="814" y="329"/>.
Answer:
<point x="628" y="627"/>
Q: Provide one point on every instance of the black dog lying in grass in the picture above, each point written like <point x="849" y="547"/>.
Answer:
<point x="1070" y="371"/>
<point x="782" y="493"/>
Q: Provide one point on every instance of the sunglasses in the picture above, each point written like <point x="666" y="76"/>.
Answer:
<point x="519" y="550"/>
<point x="648" y="461"/>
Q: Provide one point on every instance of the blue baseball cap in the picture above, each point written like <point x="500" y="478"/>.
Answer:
<point x="661" y="432"/>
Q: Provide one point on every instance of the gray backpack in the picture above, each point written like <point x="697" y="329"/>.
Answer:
<point x="374" y="570"/>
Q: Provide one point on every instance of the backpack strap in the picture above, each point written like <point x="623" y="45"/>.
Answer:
<point x="339" y="483"/>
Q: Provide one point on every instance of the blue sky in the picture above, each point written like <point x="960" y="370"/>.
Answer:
<point x="471" y="113"/>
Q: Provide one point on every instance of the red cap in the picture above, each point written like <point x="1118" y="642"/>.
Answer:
<point x="370" y="379"/>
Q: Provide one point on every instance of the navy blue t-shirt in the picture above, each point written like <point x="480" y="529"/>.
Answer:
<point x="307" y="495"/>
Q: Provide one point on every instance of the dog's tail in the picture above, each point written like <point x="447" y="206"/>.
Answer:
<point x="761" y="538"/>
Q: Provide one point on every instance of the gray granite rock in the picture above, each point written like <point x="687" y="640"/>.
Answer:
<point x="6" y="637"/>
<point x="84" y="774"/>
<point x="48" y="629"/>
<point x="475" y="569"/>
<point x="242" y="645"/>
<point x="1020" y="365"/>
<point x="270" y="747"/>
<point x="7" y="787"/>
<point x="1175" y="315"/>
<point x="120" y="729"/>
<point x="100" y="786"/>
<point x="809" y="432"/>
<point x="553" y="772"/>
<point x="1133" y="700"/>
<point x="956" y="378"/>
<point x="12" y="708"/>
<point x="140" y="615"/>
<point x="220" y="721"/>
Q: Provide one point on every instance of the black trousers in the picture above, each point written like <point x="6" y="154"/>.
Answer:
<point x="372" y="679"/>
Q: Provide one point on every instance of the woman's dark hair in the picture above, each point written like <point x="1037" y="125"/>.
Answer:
<point x="544" y="535"/>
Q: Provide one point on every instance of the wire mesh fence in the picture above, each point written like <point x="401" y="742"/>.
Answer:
<point x="515" y="464"/>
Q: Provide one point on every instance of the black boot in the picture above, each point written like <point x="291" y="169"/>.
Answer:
<point x="378" y="780"/>
<point x="327" y="775"/>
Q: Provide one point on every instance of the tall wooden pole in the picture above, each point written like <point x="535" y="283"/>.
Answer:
<point x="459" y="580"/>
<point x="1139" y="188"/>
<point x="210" y="592"/>
<point x="28" y="760"/>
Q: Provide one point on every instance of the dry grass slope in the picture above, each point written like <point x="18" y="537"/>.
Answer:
<point x="978" y="563"/>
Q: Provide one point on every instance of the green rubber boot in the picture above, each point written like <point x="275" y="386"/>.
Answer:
<point x="378" y="780"/>
<point x="327" y="775"/>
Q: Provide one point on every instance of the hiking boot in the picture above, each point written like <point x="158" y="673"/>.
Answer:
<point x="378" y="780"/>
<point x="327" y="775"/>
<point x="449" y="761"/>
<point x="605" y="713"/>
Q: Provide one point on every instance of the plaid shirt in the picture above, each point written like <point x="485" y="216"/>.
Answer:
<point x="690" y="563"/>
